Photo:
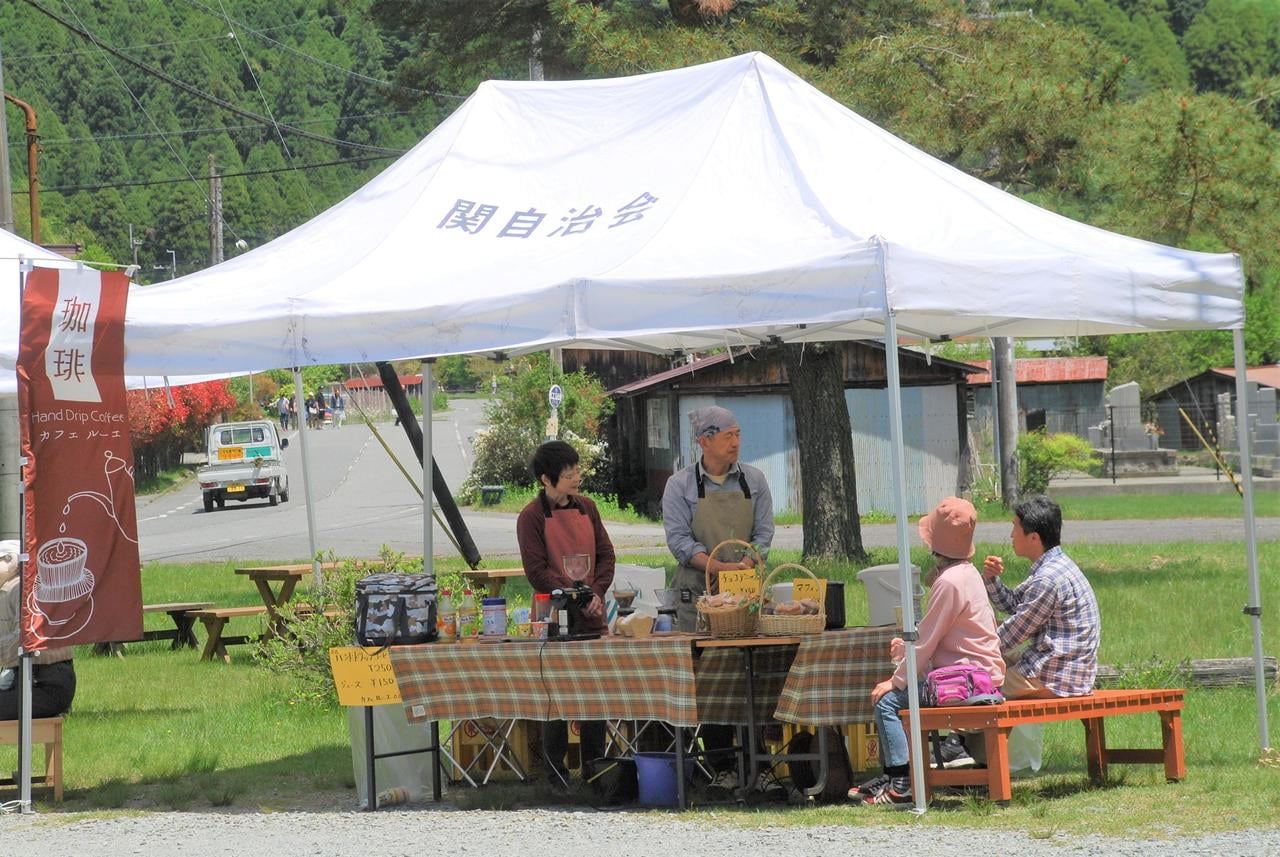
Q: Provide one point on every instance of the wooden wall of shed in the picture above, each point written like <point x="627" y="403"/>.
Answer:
<point x="615" y="368"/>
<point x="1198" y="397"/>
<point x="864" y="366"/>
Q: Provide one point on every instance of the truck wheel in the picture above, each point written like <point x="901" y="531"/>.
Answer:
<point x="284" y="496"/>
<point x="222" y="502"/>
<point x="272" y="499"/>
<point x="208" y="501"/>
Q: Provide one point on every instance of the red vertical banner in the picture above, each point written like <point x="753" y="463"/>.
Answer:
<point x="82" y="583"/>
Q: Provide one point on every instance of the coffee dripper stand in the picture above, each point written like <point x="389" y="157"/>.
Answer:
<point x="625" y="599"/>
<point x="667" y="599"/>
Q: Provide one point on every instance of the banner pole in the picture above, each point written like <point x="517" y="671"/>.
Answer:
<point x="24" y="657"/>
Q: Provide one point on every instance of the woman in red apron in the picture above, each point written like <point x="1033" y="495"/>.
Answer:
<point x="556" y="524"/>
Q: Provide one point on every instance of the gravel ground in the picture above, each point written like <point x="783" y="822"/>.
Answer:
<point x="416" y="830"/>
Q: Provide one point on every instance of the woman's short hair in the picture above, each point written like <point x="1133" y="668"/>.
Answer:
<point x="551" y="459"/>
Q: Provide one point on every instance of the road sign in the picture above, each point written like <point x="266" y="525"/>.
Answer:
<point x="555" y="396"/>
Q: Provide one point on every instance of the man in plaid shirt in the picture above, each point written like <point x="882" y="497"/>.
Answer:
<point x="1054" y="610"/>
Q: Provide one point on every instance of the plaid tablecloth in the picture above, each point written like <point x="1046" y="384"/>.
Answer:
<point x="832" y="676"/>
<point x="722" y="682"/>
<point x="608" y="679"/>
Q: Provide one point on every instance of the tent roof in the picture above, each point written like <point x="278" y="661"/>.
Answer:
<point x="717" y="205"/>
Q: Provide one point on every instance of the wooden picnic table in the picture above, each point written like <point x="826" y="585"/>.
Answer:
<point x="492" y="578"/>
<point x="287" y="576"/>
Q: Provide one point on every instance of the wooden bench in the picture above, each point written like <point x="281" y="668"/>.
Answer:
<point x="215" y="621"/>
<point x="46" y="731"/>
<point x="182" y="633"/>
<point x="995" y="721"/>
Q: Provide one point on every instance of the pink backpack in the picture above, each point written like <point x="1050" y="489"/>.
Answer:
<point x="959" y="684"/>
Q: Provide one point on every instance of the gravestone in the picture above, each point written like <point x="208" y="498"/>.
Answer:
<point x="1263" y="422"/>
<point x="1124" y="443"/>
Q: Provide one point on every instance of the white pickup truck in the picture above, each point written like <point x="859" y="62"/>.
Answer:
<point x="245" y="460"/>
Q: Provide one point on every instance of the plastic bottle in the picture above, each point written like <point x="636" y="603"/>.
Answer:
<point x="468" y="617"/>
<point x="447" y="618"/>
<point x="495" y="616"/>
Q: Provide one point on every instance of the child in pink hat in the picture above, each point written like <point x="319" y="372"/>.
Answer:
<point x="959" y="627"/>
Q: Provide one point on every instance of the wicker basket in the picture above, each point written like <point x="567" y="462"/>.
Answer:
<point x="772" y="625"/>
<point x="737" y="621"/>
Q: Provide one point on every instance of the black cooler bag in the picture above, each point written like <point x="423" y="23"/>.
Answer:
<point x="394" y="609"/>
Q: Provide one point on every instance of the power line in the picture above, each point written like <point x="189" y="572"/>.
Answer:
<point x="253" y="75"/>
<point x="213" y="99"/>
<point x="150" y="45"/>
<point x="149" y="182"/>
<point x="217" y="129"/>
<point x="223" y="16"/>
<point x="136" y="100"/>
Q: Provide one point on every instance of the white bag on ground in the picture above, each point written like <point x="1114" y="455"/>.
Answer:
<point x="1026" y="747"/>
<point x="391" y="732"/>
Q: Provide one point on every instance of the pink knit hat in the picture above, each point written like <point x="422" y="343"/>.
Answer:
<point x="948" y="529"/>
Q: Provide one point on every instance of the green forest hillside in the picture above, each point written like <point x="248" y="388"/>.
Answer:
<point x="1157" y="118"/>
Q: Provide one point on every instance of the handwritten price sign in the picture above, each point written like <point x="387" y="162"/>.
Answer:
<point x="363" y="676"/>
<point x="739" y="581"/>
<point x="808" y="588"/>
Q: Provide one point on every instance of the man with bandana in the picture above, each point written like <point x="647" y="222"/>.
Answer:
<point x="713" y="499"/>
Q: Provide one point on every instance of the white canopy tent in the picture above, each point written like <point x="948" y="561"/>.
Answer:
<point x="722" y="204"/>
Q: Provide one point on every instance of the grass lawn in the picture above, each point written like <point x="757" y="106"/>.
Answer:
<point x="160" y="729"/>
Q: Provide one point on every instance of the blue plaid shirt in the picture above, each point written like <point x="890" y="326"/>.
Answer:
<point x="1055" y="609"/>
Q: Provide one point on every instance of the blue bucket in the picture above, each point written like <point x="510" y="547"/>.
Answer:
<point x="656" y="776"/>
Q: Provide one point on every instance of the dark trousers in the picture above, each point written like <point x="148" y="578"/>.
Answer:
<point x="52" y="689"/>
<point x="555" y="740"/>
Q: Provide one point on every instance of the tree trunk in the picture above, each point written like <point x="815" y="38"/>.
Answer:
<point x="825" y="440"/>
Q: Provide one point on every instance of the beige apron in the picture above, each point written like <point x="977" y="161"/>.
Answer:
<point x="570" y="531"/>
<point x="719" y="515"/>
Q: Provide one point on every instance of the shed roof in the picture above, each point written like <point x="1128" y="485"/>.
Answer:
<point x="1048" y="370"/>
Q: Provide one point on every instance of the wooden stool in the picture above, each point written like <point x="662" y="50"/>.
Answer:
<point x="46" y="731"/>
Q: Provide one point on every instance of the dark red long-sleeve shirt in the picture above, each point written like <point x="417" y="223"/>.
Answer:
<point x="531" y="536"/>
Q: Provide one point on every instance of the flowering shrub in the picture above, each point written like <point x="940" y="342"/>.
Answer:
<point x="161" y="432"/>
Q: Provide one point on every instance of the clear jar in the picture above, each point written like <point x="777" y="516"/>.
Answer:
<point x="541" y="607"/>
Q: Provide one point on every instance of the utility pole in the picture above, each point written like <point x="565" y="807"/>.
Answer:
<point x="6" y="189"/>
<point x="215" y="214"/>
<point x="172" y="267"/>
<point x="134" y="244"/>
<point x="10" y="473"/>
<point x="1007" y="405"/>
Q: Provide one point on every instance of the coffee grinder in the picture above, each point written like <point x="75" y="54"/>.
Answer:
<point x="572" y="601"/>
<point x="667" y="599"/>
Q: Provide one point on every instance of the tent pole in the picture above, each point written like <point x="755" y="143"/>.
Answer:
<point x="308" y="489"/>
<point x="1254" y="607"/>
<point x="906" y="589"/>
<point x="428" y="461"/>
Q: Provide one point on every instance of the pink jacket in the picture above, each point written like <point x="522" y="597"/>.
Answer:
<point x="959" y="626"/>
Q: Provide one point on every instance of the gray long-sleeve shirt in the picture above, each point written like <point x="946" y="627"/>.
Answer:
<point x="680" y="501"/>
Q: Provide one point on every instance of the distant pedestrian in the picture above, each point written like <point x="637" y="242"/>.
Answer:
<point x="282" y="407"/>
<point x="339" y="408"/>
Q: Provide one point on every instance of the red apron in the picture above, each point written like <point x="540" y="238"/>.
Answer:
<point x="570" y="531"/>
